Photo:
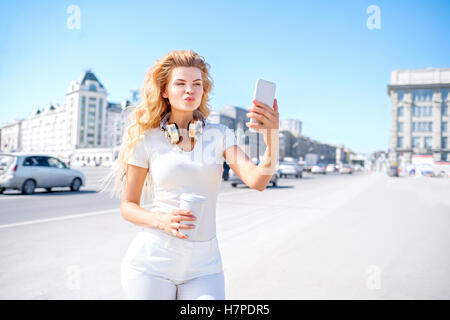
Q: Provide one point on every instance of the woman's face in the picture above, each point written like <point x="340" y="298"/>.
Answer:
<point x="185" y="88"/>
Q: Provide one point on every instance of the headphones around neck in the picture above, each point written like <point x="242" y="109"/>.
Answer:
<point x="172" y="132"/>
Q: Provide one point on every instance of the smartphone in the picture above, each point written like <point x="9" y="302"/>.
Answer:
<point x="264" y="92"/>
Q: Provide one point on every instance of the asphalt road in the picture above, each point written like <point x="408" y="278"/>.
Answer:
<point x="360" y="236"/>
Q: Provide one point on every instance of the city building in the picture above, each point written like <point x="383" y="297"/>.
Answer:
<point x="419" y="103"/>
<point x="11" y="138"/>
<point x="235" y="117"/>
<point x="85" y="128"/>
<point x="292" y="125"/>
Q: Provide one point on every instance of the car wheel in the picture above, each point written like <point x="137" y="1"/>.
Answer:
<point x="28" y="187"/>
<point x="274" y="184"/>
<point x="76" y="184"/>
<point x="301" y="175"/>
<point x="2" y="190"/>
<point x="48" y="189"/>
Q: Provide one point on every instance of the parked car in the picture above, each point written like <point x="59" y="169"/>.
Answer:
<point x="235" y="180"/>
<point x="331" y="167"/>
<point x="392" y="170"/>
<point x="26" y="172"/>
<point x="425" y="170"/>
<point x="319" y="168"/>
<point x="290" y="168"/>
<point x="345" y="169"/>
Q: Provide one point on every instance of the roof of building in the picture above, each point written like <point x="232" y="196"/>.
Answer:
<point x="114" y="107"/>
<point x="88" y="75"/>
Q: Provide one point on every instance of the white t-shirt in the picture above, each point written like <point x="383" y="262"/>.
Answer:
<point x="174" y="171"/>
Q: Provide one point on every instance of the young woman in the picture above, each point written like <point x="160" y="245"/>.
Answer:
<point x="162" y="262"/>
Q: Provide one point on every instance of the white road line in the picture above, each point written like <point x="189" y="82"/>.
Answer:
<point x="89" y="214"/>
<point x="6" y="197"/>
<point x="74" y="216"/>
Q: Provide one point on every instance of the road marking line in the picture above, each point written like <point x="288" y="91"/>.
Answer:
<point x="74" y="216"/>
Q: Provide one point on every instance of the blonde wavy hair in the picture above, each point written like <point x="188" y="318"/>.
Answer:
<point x="149" y="113"/>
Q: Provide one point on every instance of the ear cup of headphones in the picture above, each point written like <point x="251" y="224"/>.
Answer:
<point x="194" y="129"/>
<point x="173" y="133"/>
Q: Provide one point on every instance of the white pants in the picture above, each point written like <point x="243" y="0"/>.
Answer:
<point x="160" y="266"/>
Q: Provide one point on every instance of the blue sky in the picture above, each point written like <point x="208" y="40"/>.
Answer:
<point x="331" y="71"/>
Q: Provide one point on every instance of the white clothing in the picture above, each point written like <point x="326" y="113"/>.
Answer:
<point x="174" y="171"/>
<point x="157" y="264"/>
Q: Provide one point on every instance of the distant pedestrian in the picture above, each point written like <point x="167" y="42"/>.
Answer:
<point x="226" y="171"/>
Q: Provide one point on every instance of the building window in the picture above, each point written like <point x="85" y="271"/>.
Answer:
<point x="422" y="95"/>
<point x="400" y="94"/>
<point x="400" y="142"/>
<point x="415" y="142"/>
<point x="92" y="87"/>
<point x="399" y="126"/>
<point x="100" y="110"/>
<point x="444" y="126"/>
<point x="400" y="111"/>
<point x="444" y="110"/>
<point x="444" y="94"/>
<point x="444" y="142"/>
<point x="444" y="156"/>
<point x="427" y="142"/>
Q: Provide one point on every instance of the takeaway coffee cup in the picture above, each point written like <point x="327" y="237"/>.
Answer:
<point x="194" y="203"/>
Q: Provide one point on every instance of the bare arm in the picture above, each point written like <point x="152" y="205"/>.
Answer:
<point x="257" y="177"/>
<point x="132" y="212"/>
<point x="130" y="204"/>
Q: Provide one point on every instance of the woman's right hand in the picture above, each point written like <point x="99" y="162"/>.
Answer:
<point x="171" y="222"/>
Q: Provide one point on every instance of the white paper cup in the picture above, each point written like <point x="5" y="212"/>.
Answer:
<point x="194" y="203"/>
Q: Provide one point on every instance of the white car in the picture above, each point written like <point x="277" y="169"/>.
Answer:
<point x="290" y="168"/>
<point x="319" y="168"/>
<point x="331" y="168"/>
<point x="235" y="180"/>
<point x="345" y="169"/>
<point x="26" y="172"/>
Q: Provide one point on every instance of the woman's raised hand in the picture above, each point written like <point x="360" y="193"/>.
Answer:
<point x="171" y="222"/>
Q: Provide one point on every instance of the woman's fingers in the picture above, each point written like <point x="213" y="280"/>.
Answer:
<point x="260" y="115"/>
<point x="257" y="116"/>
<point x="265" y="107"/>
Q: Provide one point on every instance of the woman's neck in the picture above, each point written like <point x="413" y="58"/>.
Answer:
<point x="181" y="118"/>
